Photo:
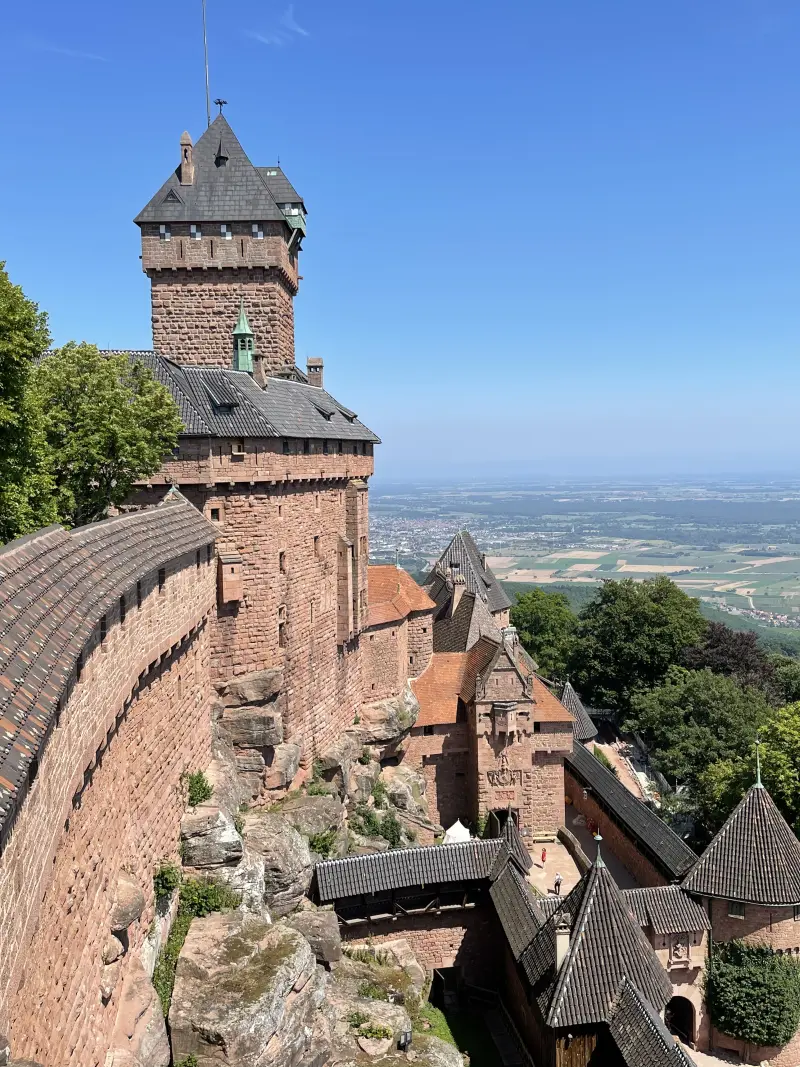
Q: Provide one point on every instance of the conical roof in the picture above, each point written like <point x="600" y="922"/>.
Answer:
<point x="242" y="326"/>
<point x="583" y="727"/>
<point x="606" y="945"/>
<point x="232" y="193"/>
<point x="755" y="857"/>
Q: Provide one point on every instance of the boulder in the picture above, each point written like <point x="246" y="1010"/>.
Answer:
<point x="433" y="1052"/>
<point x="209" y="838"/>
<point x="335" y="763"/>
<point x="402" y="955"/>
<point x="375" y="1046"/>
<point x="287" y="859"/>
<point x="108" y="979"/>
<point x="321" y="929"/>
<point x="360" y="845"/>
<point x="256" y="688"/>
<point x="247" y="879"/>
<point x="281" y="766"/>
<point x="387" y="721"/>
<point x="121" y="1057"/>
<point x="363" y="777"/>
<point x="247" y="989"/>
<point x="112" y="950"/>
<point x="229" y="793"/>
<point x="251" y="727"/>
<point x="313" y="814"/>
<point x="128" y="904"/>
<point x="140" y="1029"/>
<point x="405" y="789"/>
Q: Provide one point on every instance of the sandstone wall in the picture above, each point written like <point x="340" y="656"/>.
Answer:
<point x="420" y="642"/>
<point x="470" y="940"/>
<point x="443" y="759"/>
<point x="613" y="837"/>
<point x="107" y="798"/>
<point x="385" y="651"/>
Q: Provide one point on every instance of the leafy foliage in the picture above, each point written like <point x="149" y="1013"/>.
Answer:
<point x="546" y="626"/>
<point x="379" y="793"/>
<point x="26" y="501"/>
<point x="323" y="843"/>
<point x="787" y="677"/>
<point x="106" y="422"/>
<point x="753" y="994"/>
<point x="366" y="821"/>
<point x="601" y="757"/>
<point x="628" y="636"/>
<point x="165" y="881"/>
<point x="737" y="654"/>
<point x="187" y="1061"/>
<point x="696" y="718"/>
<point x="198" y="788"/>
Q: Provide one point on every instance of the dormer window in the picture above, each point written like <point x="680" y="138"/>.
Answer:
<point x="164" y="232"/>
<point x="196" y="231"/>
<point x="226" y="229"/>
<point x="258" y="231"/>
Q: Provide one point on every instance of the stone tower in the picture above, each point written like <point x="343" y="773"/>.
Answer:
<point x="220" y="236"/>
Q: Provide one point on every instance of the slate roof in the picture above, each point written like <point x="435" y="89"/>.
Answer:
<point x="216" y="402"/>
<point x="235" y="192"/>
<point x="606" y="945"/>
<point x="516" y="846"/>
<point x="515" y="906"/>
<point x="662" y="845"/>
<point x="393" y="595"/>
<point x="667" y="909"/>
<point x="464" y="556"/>
<point x="54" y="588"/>
<point x="469" y="622"/>
<point x="640" y="1034"/>
<point x="282" y="190"/>
<point x="755" y="857"/>
<point x="406" y="867"/>
<point x="584" y="729"/>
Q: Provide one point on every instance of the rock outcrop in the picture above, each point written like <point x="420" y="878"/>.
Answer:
<point x="286" y="857"/>
<point x="250" y="724"/>
<point x="320" y="928"/>
<point x="386" y="723"/>
<point x="246" y="993"/>
<point x="209" y="838"/>
<point x="313" y="816"/>
<point x="140" y="1034"/>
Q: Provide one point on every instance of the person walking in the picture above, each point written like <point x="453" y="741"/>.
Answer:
<point x="557" y="885"/>
<point x="544" y="856"/>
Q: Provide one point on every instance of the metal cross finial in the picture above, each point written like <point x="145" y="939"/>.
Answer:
<point x="758" y="761"/>
<point x="220" y="104"/>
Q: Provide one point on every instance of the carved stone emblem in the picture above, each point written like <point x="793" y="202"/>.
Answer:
<point x="504" y="776"/>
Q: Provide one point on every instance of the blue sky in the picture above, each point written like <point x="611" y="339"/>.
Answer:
<point x="544" y="237"/>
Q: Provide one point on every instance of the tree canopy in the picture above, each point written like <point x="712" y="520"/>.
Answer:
<point x="736" y="653"/>
<point x="753" y="993"/>
<point x="106" y="421"/>
<point x="546" y="625"/>
<point x="77" y="428"/>
<point x="628" y="636"/>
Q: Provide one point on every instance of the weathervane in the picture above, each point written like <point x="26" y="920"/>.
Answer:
<point x="220" y="104"/>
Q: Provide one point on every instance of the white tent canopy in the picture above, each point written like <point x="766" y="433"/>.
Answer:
<point x="457" y="832"/>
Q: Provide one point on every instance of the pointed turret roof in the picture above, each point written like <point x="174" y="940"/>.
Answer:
<point x="242" y="327"/>
<point x="606" y="945"/>
<point x="584" y="729"/>
<point x="232" y="193"/>
<point x="755" y="857"/>
<point x="462" y="553"/>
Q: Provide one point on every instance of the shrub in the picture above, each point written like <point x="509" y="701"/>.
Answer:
<point x="364" y="1027"/>
<point x="391" y="830"/>
<point x="481" y="824"/>
<point x="753" y="993"/>
<point x="199" y="788"/>
<point x="366" y="822"/>
<point x="601" y="757"/>
<point x="318" y="789"/>
<point x="323" y="843"/>
<point x="187" y="1061"/>
<point x="165" y="881"/>
<point x="379" y="794"/>
<point x="365" y="757"/>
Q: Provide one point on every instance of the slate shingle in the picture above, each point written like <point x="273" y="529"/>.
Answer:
<point x="463" y="555"/>
<point x="583" y="729"/>
<point x="640" y="1034"/>
<point x="667" y="909"/>
<point x="755" y="857"/>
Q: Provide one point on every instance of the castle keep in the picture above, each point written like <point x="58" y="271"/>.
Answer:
<point x="228" y="621"/>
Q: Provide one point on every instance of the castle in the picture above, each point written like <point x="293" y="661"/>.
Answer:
<point x="233" y="601"/>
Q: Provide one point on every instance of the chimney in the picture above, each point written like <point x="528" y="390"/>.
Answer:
<point x="562" y="944"/>
<point x="314" y="372"/>
<point x="459" y="585"/>
<point x="510" y="637"/>
<point x="259" y="374"/>
<point x="187" y="164"/>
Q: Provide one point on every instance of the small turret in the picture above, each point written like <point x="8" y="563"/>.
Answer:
<point x="243" y="343"/>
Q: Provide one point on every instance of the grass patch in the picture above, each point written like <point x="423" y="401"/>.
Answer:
<point x="438" y="1025"/>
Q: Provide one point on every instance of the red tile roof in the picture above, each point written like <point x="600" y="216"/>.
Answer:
<point x="438" y="687"/>
<point x="394" y="595"/>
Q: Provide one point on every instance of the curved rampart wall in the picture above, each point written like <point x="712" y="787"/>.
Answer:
<point x="107" y="796"/>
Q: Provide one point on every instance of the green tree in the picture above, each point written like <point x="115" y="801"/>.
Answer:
<point x="787" y="676"/>
<point x="25" y="486"/>
<point x="546" y="626"/>
<point x="106" y="423"/>
<point x="695" y="719"/>
<point x="628" y="636"/>
<point x="753" y="993"/>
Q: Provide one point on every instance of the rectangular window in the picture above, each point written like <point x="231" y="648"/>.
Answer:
<point x="214" y="514"/>
<point x="237" y="447"/>
<point x="197" y="559"/>
<point x="280" y="511"/>
<point x="79" y="666"/>
<point x="138" y="594"/>
<point x="282" y="562"/>
<point x="341" y="447"/>
<point x="282" y="635"/>
<point x="162" y="578"/>
<point x="103" y="629"/>
<point x="317" y="549"/>
<point x="537" y="727"/>
<point x="363" y="448"/>
<point x="306" y="447"/>
<point x="428" y="731"/>
<point x="286" y="446"/>
<point x="196" y="232"/>
<point x="355" y="448"/>
<point x="164" y="232"/>
<point x="226" y="230"/>
<point x="208" y="554"/>
<point x="325" y="448"/>
<point x="122" y="609"/>
<point x="258" y="231"/>
<point x="735" y="909"/>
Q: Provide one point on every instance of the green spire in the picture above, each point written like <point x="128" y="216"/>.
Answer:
<point x="599" y="862"/>
<point x="244" y="345"/>
<point x="758" y="762"/>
